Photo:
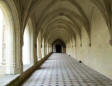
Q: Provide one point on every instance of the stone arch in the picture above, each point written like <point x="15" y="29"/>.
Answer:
<point x="27" y="51"/>
<point x="99" y="13"/>
<point x="65" y="23"/>
<point x="39" y="46"/>
<point x="59" y="46"/>
<point x="70" y="15"/>
<point x="105" y="9"/>
<point x="11" y="33"/>
<point x="84" y="16"/>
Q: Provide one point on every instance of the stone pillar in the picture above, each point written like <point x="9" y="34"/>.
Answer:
<point x="19" y="56"/>
<point x="42" y="49"/>
<point x="47" y="48"/>
<point x="39" y="48"/>
<point x="34" y="49"/>
<point x="14" y="63"/>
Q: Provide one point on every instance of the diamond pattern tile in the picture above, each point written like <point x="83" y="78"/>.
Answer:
<point x="63" y="70"/>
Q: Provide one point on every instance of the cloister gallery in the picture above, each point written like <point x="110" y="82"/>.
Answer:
<point x="55" y="42"/>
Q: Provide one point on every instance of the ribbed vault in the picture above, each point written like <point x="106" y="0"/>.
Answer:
<point x="72" y="15"/>
<point x="32" y="26"/>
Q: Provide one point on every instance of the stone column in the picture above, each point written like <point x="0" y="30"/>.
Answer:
<point x="42" y="50"/>
<point x="19" y="56"/>
<point x="34" y="49"/>
<point x="14" y="54"/>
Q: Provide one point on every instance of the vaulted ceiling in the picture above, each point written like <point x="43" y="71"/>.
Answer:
<point x="63" y="19"/>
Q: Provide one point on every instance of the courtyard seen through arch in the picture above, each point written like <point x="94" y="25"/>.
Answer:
<point x="7" y="43"/>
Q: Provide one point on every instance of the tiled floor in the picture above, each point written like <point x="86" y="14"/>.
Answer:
<point x="62" y="70"/>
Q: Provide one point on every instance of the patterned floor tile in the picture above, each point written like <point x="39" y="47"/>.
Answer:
<point x="62" y="70"/>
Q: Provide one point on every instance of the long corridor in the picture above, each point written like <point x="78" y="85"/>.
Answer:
<point x="63" y="70"/>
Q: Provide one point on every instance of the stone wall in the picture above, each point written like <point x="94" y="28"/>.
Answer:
<point x="98" y="56"/>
